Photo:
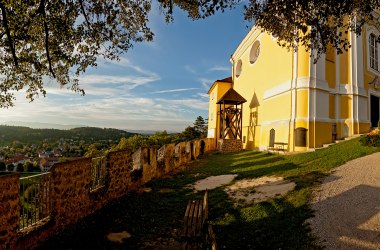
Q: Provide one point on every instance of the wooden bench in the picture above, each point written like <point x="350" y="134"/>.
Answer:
<point x="280" y="146"/>
<point x="195" y="217"/>
<point x="194" y="221"/>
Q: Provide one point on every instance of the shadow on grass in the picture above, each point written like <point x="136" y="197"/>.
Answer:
<point x="144" y="215"/>
<point x="267" y="225"/>
<point x="253" y="156"/>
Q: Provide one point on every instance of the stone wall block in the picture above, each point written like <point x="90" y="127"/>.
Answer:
<point x="176" y="156"/>
<point x="183" y="155"/>
<point x="169" y="158"/>
<point x="9" y="209"/>
<point x="149" y="164"/>
<point x="119" y="166"/>
<point x="72" y="201"/>
<point x="188" y="152"/>
<point x="137" y="160"/>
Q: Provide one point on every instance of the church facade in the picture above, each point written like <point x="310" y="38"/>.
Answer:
<point x="296" y="103"/>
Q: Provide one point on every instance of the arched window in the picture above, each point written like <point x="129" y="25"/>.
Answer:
<point x="373" y="53"/>
<point x="239" y="67"/>
<point x="255" y="52"/>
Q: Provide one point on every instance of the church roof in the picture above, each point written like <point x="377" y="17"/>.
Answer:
<point x="231" y="97"/>
<point x="226" y="80"/>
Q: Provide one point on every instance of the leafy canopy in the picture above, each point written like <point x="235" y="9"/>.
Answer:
<point x="42" y="39"/>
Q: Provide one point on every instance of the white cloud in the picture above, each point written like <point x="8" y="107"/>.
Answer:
<point x="203" y="95"/>
<point x="220" y="68"/>
<point x="190" y="103"/>
<point x="173" y="90"/>
<point x="190" y="69"/>
<point x="124" y="63"/>
<point x="113" y="84"/>
<point x="206" y="83"/>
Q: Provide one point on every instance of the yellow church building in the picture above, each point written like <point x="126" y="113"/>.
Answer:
<point x="281" y="98"/>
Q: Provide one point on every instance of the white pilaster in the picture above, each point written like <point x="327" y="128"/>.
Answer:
<point x="321" y="68"/>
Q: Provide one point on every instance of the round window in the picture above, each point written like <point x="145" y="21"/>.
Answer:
<point x="239" y="67"/>
<point x="255" y="52"/>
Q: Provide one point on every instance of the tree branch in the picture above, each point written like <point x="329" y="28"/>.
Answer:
<point x="84" y="14"/>
<point x="88" y="22"/>
<point x="8" y="32"/>
<point x="46" y="29"/>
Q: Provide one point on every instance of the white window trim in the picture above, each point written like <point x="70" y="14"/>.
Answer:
<point x="372" y="30"/>
<point x="260" y="49"/>
<point x="237" y="67"/>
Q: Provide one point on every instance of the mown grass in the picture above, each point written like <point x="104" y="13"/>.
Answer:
<point x="273" y="224"/>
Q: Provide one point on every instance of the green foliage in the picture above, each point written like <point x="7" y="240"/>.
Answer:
<point x="28" y="166"/>
<point x="200" y="125"/>
<point x="161" y="138"/>
<point x="17" y="136"/>
<point x="371" y="140"/>
<point x="10" y="167"/>
<point x="73" y="142"/>
<point x="19" y="167"/>
<point x="3" y="167"/>
<point x="36" y="166"/>
<point x="92" y="151"/>
<point x="190" y="133"/>
<point x="378" y="124"/>
<point x="63" y="159"/>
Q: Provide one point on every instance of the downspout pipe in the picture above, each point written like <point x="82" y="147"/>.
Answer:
<point x="295" y="96"/>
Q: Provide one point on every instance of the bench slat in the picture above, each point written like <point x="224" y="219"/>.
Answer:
<point x="199" y="218"/>
<point x="205" y="206"/>
<point x="194" y="227"/>
<point x="186" y="218"/>
<point x="191" y="219"/>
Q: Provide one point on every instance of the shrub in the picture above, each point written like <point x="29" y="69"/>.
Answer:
<point x="372" y="139"/>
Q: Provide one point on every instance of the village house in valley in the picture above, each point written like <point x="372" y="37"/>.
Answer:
<point x="294" y="102"/>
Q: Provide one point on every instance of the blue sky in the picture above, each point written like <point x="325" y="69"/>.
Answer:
<point x="161" y="85"/>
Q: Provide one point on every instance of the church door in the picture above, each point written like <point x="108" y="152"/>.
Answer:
<point x="374" y="110"/>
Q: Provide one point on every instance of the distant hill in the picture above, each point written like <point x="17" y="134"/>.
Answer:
<point x="66" y="127"/>
<point x="147" y="132"/>
<point x="8" y="134"/>
<point x="40" y="125"/>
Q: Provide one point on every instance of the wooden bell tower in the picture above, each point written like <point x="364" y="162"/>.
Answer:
<point x="231" y="115"/>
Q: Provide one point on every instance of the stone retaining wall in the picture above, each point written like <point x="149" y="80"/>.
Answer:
<point x="9" y="209"/>
<point x="230" y="145"/>
<point x="72" y="199"/>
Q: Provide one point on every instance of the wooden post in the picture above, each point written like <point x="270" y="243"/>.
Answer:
<point x="241" y="122"/>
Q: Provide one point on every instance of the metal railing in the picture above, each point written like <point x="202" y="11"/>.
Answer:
<point x="35" y="197"/>
<point x="98" y="173"/>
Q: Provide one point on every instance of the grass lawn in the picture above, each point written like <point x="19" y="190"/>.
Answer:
<point x="276" y="223"/>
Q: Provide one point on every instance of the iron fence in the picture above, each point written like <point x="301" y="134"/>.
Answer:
<point x="35" y="197"/>
<point x="98" y="173"/>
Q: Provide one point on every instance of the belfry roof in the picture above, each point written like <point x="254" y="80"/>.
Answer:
<point x="228" y="79"/>
<point x="231" y="97"/>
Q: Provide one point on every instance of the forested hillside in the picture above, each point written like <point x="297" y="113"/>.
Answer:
<point x="10" y="134"/>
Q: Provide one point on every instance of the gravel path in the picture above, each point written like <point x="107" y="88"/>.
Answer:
<point x="347" y="206"/>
